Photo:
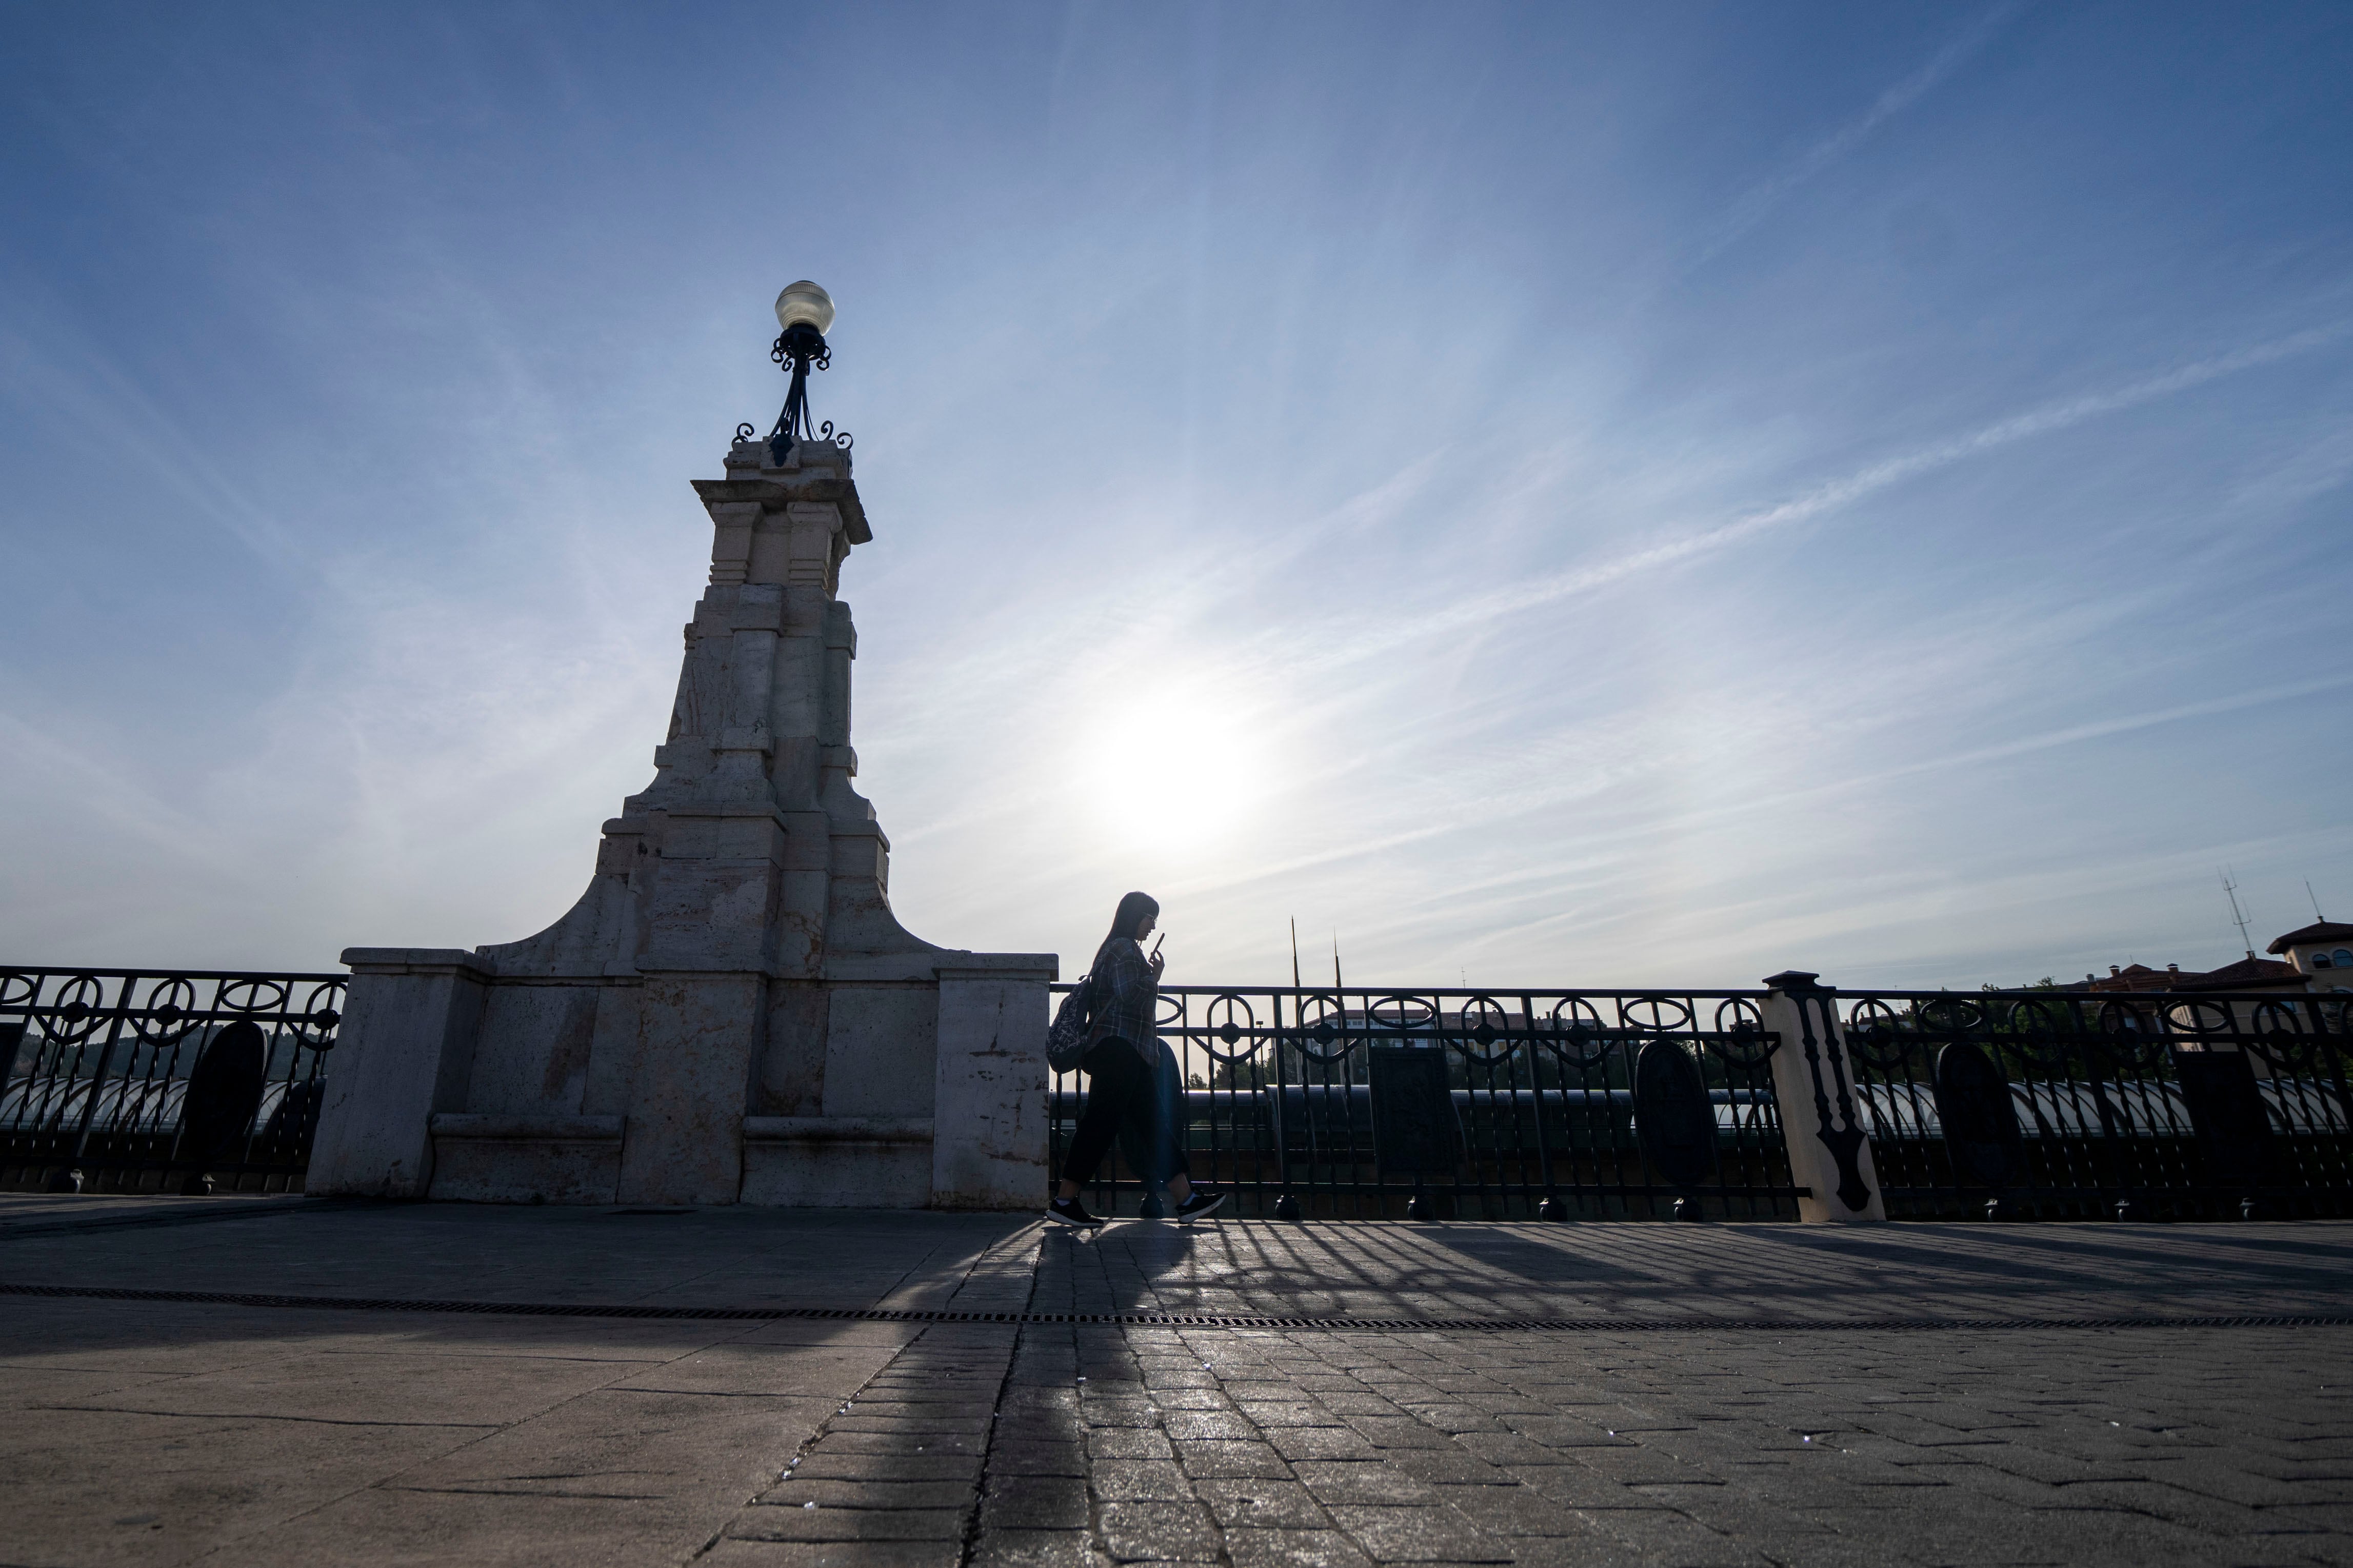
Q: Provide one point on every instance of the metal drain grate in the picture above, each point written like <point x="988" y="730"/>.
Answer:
<point x="1166" y="1319"/>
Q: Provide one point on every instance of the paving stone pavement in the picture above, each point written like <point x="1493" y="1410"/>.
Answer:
<point x="158" y="1432"/>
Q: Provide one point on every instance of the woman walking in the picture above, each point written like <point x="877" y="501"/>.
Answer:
<point x="1121" y="1066"/>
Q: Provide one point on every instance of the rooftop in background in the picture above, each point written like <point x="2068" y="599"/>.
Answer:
<point x="2246" y="975"/>
<point x="2319" y="930"/>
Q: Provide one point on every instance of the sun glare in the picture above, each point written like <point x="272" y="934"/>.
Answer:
<point x="1172" y="774"/>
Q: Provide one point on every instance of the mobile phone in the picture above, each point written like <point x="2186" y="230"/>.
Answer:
<point x="1155" y="943"/>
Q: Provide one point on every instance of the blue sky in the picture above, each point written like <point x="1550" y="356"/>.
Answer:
<point x="1607" y="495"/>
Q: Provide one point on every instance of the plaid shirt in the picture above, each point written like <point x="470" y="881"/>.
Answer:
<point x="1127" y="994"/>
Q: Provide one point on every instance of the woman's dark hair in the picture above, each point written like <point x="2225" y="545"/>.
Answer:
<point x="1132" y="909"/>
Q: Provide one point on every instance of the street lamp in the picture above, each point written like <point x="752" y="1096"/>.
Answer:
<point x="804" y="310"/>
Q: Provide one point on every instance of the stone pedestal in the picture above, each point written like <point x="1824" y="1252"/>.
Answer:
<point x="731" y="1013"/>
<point x="374" y="1136"/>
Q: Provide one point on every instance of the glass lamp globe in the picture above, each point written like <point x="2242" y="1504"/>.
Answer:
<point x="805" y="302"/>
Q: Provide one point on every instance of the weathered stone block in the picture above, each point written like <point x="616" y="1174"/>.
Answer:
<point x="829" y="1162"/>
<point x="545" y="1034"/>
<point x="990" y="1082"/>
<point x="406" y="1050"/>
<point x="526" y="1159"/>
<point x="695" y="1047"/>
<point x="881" y="1045"/>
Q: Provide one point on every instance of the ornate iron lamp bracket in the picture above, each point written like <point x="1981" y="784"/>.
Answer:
<point x="798" y="349"/>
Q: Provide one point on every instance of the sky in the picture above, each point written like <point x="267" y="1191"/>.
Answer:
<point x="1551" y="495"/>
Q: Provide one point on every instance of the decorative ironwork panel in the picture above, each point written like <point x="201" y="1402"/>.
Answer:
<point x="224" y="1090"/>
<point x="1415" y="1132"/>
<point x="2148" y="1105"/>
<point x="1672" y="1116"/>
<point x="132" y="1081"/>
<point x="1980" y="1124"/>
<point x="1527" y="1106"/>
<point x="2226" y="1107"/>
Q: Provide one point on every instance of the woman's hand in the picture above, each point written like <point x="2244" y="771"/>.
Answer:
<point x="1159" y="961"/>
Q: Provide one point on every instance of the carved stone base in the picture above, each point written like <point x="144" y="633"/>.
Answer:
<point x="820" y="1161"/>
<point x="526" y="1159"/>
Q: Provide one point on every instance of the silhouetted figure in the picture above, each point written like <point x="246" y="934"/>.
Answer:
<point x="1131" y="1075"/>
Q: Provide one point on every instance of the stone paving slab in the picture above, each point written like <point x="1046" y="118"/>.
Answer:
<point x="141" y="1432"/>
<point x="149" y="1432"/>
<point x="33" y="1213"/>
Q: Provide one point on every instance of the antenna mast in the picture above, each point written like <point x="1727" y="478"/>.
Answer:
<point x="2231" y="892"/>
<point x="2316" y="900"/>
<point x="1294" y="953"/>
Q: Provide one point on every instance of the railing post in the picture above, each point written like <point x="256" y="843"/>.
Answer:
<point x="1829" y="1153"/>
<point x="406" y="1050"/>
<point x="1286" y="1201"/>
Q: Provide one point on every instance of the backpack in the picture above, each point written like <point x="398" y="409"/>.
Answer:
<point x="1068" y="1038"/>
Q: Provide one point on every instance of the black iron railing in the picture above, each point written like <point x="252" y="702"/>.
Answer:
<point x="124" y="1080"/>
<point x="2056" y="1104"/>
<point x="1382" y="1103"/>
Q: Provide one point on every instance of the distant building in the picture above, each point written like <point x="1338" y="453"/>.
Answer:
<point x="2316" y="954"/>
<point x="2322" y="951"/>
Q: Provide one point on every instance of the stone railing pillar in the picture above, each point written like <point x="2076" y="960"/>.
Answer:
<point x="404" y="1051"/>
<point x="1830" y="1152"/>
<point x="988" y="1120"/>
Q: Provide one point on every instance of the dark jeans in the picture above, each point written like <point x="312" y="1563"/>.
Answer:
<point x="1135" y="1103"/>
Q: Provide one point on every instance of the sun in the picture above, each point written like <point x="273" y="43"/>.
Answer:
<point x="1172" y="773"/>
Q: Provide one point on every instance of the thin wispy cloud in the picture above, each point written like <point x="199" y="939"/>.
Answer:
<point x="1486" y="607"/>
<point x="83" y="398"/>
<point x="1759" y="201"/>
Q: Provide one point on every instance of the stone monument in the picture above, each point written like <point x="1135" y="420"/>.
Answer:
<point x="731" y="1013"/>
